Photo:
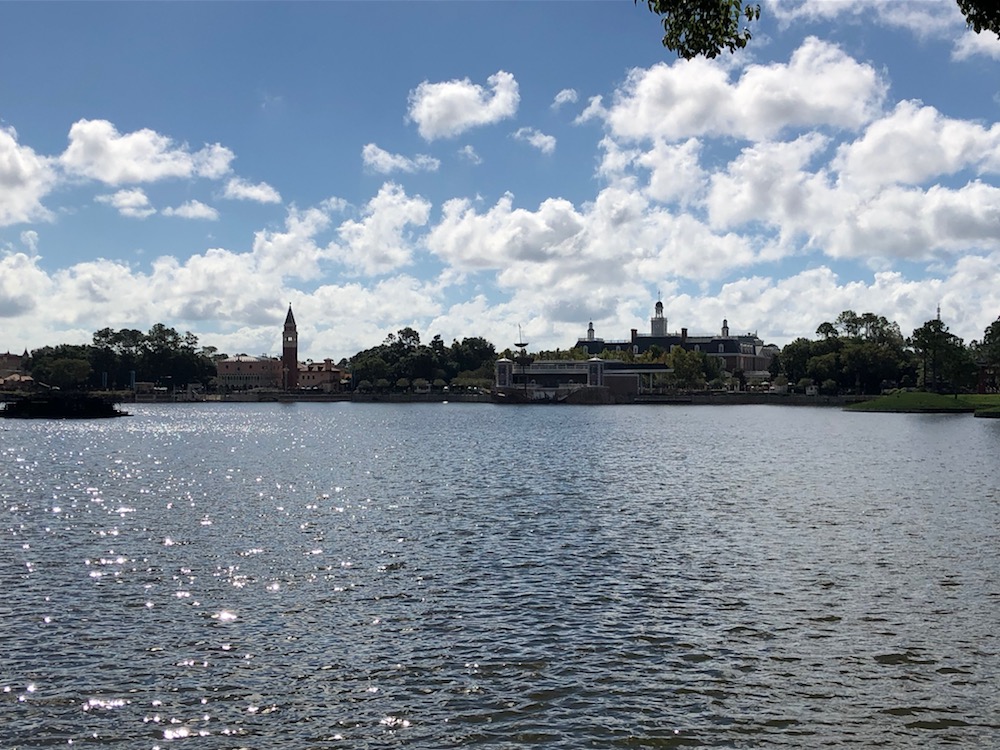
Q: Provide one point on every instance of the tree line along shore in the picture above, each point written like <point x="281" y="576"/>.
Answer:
<point x="855" y="354"/>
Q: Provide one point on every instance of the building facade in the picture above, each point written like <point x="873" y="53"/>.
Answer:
<point x="14" y="373"/>
<point x="746" y="352"/>
<point x="243" y="373"/>
<point x="321" y="376"/>
<point x="560" y="379"/>
<point x="11" y="364"/>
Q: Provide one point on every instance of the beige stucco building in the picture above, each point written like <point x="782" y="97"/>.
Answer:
<point x="322" y="376"/>
<point x="241" y="373"/>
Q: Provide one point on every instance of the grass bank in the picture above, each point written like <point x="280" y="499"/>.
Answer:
<point x="922" y="402"/>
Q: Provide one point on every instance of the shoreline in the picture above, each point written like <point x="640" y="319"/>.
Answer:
<point x="847" y="402"/>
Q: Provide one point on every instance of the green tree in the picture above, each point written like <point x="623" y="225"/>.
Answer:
<point x="981" y="15"/>
<point x="938" y="352"/>
<point x="989" y="348"/>
<point x="988" y="354"/>
<point x="849" y="322"/>
<point x="707" y="27"/>
<point x="688" y="369"/>
<point x="622" y="355"/>
<point x="827" y="330"/>
<point x="795" y="359"/>
<point x="368" y="365"/>
<point x="823" y="367"/>
<point x="654" y="353"/>
<point x="711" y="367"/>
<point x="62" y="372"/>
<point x="472" y="353"/>
<point x="958" y="367"/>
<point x="775" y="368"/>
<point x="704" y="27"/>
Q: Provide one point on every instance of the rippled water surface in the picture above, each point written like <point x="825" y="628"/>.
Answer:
<point x="452" y="575"/>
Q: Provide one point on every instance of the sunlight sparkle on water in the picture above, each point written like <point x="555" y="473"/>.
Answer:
<point x="394" y="721"/>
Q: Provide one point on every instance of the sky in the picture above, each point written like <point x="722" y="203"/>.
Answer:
<point x="475" y="168"/>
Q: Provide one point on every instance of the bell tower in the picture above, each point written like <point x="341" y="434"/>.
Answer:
<point x="658" y="324"/>
<point x="290" y="352"/>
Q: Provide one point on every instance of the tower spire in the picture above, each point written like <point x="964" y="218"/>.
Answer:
<point x="290" y="352"/>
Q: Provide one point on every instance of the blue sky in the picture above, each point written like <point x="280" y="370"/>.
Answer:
<point x="468" y="167"/>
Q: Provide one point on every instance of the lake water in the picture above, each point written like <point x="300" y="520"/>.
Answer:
<point x="453" y="575"/>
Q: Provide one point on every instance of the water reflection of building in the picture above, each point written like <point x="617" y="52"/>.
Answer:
<point x="243" y="372"/>
<point x="746" y="352"/>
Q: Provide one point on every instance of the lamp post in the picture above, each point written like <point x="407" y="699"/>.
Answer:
<point x="523" y="358"/>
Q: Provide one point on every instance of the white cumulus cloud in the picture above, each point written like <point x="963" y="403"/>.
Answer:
<point x="566" y="96"/>
<point x="544" y="143"/>
<point x="449" y="108"/>
<point x="379" y="242"/>
<point x="469" y="154"/>
<point x="22" y="285"/>
<point x="971" y="44"/>
<point x="243" y="190"/>
<point x="132" y="203"/>
<point x="25" y="179"/>
<point x="915" y="143"/>
<point x="381" y="161"/>
<point x="819" y="86"/>
<point x="294" y="252"/>
<point x="98" y="151"/>
<point x="192" y="210"/>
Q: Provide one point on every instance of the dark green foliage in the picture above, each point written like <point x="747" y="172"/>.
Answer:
<point x="401" y="357"/>
<point x="989" y="348"/>
<point x="688" y="367"/>
<point x="981" y="15"/>
<point x="707" y="27"/>
<point x="162" y="356"/>
<point x="867" y="354"/>
<point x="62" y="368"/>
<point x="945" y="362"/>
<point x="704" y="27"/>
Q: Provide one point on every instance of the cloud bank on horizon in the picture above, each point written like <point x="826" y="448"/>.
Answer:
<point x="848" y="159"/>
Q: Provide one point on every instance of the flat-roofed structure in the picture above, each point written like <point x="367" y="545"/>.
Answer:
<point x="243" y="373"/>
<point x="567" y="379"/>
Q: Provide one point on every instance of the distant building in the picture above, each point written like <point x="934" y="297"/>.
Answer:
<point x="14" y="373"/>
<point x="322" y="376"/>
<point x="290" y="353"/>
<point x="243" y="373"/>
<point x="561" y="379"/>
<point x="17" y="381"/>
<point x="745" y="352"/>
<point x="11" y="364"/>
